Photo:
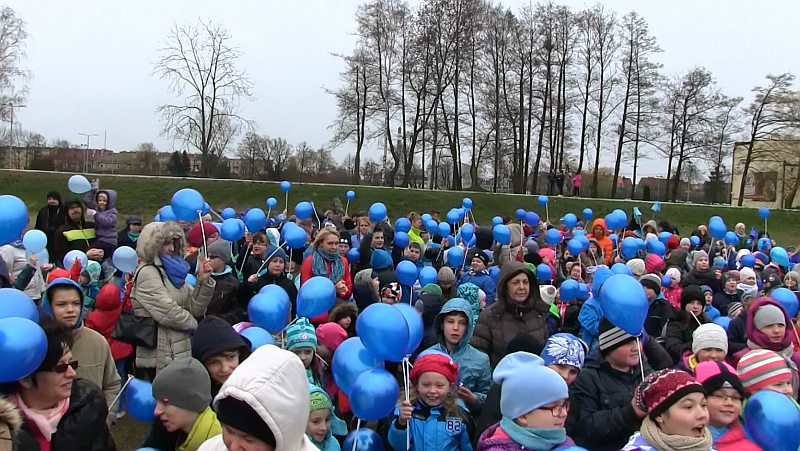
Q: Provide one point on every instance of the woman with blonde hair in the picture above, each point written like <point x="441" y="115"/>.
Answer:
<point x="325" y="261"/>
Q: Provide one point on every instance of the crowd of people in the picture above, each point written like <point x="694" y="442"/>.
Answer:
<point x="510" y="359"/>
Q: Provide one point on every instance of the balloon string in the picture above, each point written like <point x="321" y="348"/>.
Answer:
<point x="641" y="363"/>
<point x="269" y="212"/>
<point x="355" y="436"/>
<point x="212" y="211"/>
<point x="203" y="229"/>
<point x="695" y="318"/>
<point x="314" y="208"/>
<point x="287" y="201"/>
<point x="406" y="384"/>
<point x="121" y="391"/>
<point x="347" y="207"/>
<point x="246" y="253"/>
<point x="547" y="210"/>
<point x="266" y="260"/>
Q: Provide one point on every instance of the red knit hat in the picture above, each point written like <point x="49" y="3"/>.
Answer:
<point x="661" y="390"/>
<point x="673" y="242"/>
<point x="331" y="335"/>
<point x="438" y="363"/>
<point x="196" y="234"/>
<point x="654" y="263"/>
<point x="56" y="273"/>
<point x="762" y="367"/>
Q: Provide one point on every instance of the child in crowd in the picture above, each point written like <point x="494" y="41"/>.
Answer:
<point x="322" y="423"/>
<point x="747" y="281"/>
<point x="391" y="292"/>
<point x="479" y="275"/>
<point x="89" y="280"/>
<point x="413" y="253"/>
<point x="708" y="296"/>
<point x="219" y="348"/>
<point x="225" y="301"/>
<point x="564" y="354"/>
<point x="301" y="339"/>
<point x="673" y="292"/>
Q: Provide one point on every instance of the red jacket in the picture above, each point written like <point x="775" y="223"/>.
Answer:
<point x="735" y="440"/>
<point x="104" y="318"/>
<point x="305" y="274"/>
<point x="605" y="243"/>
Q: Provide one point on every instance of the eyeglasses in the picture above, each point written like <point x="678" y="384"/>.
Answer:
<point x="724" y="398"/>
<point x="558" y="410"/>
<point x="62" y="367"/>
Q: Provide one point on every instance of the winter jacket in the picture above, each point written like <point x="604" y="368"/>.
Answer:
<point x="124" y="240"/>
<point x="737" y="334"/>
<point x="510" y="252"/>
<point x="153" y="296"/>
<point x="504" y="319"/>
<point x="735" y="440"/>
<point x="431" y="432"/>
<point x="474" y="372"/>
<point x="658" y="315"/>
<point x="678" y="337"/>
<point x="73" y="235"/>
<point x="205" y="427"/>
<point x="104" y="319"/>
<point x="484" y="281"/>
<point x="273" y="382"/>
<point x="432" y="305"/>
<point x="345" y="309"/>
<point x="105" y="222"/>
<point x="676" y="259"/>
<point x="673" y="295"/>
<point x="83" y="426"/>
<point x="496" y="439"/>
<point x="305" y="274"/>
<point x="605" y="243"/>
<point x="48" y="220"/>
<point x="16" y="260"/>
<point x="700" y="278"/>
<point x="248" y="289"/>
<point x="723" y="299"/>
<point x="601" y="416"/>
<point x="711" y="312"/>
<point x="589" y="317"/>
<point x="225" y="300"/>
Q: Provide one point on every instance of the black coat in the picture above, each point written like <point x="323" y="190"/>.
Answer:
<point x="225" y="300"/>
<point x="123" y="240"/>
<point x="83" y="426"/>
<point x="48" y="221"/>
<point x="248" y="289"/>
<point x="723" y="300"/>
<point x="678" y="338"/>
<point x="708" y="278"/>
<point x="658" y="314"/>
<point x="737" y="334"/>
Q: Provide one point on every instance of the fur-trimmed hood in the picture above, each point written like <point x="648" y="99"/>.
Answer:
<point x="10" y="415"/>
<point x="155" y="234"/>
<point x="343" y="310"/>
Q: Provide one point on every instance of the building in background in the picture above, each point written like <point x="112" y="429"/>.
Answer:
<point x="773" y="178"/>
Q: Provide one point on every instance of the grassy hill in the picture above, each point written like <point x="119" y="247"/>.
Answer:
<point x="143" y="196"/>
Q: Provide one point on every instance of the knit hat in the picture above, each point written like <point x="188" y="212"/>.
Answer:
<point x="344" y="238"/>
<point x="548" y="293"/>
<point x="762" y="367"/>
<point x="391" y="290"/>
<point x="196" y="233"/>
<point x="673" y="242"/>
<point x="767" y="315"/>
<point x="214" y="336"/>
<point x="714" y="375"/>
<point x="696" y="255"/>
<point x="133" y="219"/>
<point x="690" y="294"/>
<point x="661" y="390"/>
<point x="637" y="266"/>
<point x="735" y="308"/>
<point x="446" y="275"/>
<point x="709" y="335"/>
<point x="380" y="260"/>
<point x="674" y="273"/>
<point x="686" y="241"/>
<point x="771" y="278"/>
<point x="611" y="337"/>
<point x="564" y="349"/>
<point x="746" y="273"/>
<point x="651" y="281"/>
<point x="480" y="256"/>
<point x="240" y="415"/>
<point x="719" y="263"/>
<point x="517" y="373"/>
<point x="726" y="276"/>
<point x="654" y="263"/>
<point x="432" y="288"/>
<point x="220" y="249"/>
<point x="301" y="335"/>
<point x="706" y="289"/>
<point x="331" y="335"/>
<point x="319" y="401"/>
<point x="184" y="383"/>
<point x="437" y="363"/>
<point x="532" y="247"/>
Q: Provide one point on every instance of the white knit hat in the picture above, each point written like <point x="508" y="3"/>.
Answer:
<point x="709" y="335"/>
<point x="746" y="273"/>
<point x="548" y="293"/>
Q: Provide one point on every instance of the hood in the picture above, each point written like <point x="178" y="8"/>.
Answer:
<point x="338" y="426"/>
<point x="67" y="282"/>
<point x="484" y="238"/>
<point x="10" y="415"/>
<point x="432" y="304"/>
<point x="274" y="236"/>
<point x="67" y="219"/>
<point x="509" y="271"/>
<point x="758" y="337"/>
<point x="108" y="299"/>
<point x="516" y="234"/>
<point x="214" y="335"/>
<point x="652" y="224"/>
<point x="343" y="310"/>
<point x="274" y="384"/>
<point x="112" y="198"/>
<point x="601" y="223"/>
<point x="454" y="305"/>
<point x="155" y="234"/>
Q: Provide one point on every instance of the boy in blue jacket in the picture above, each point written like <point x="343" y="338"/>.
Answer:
<point x="479" y="275"/>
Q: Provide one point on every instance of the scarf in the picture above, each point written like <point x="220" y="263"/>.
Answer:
<point x="133" y="236"/>
<point x="45" y="421"/>
<point x="533" y="438"/>
<point x="176" y="268"/>
<point x="205" y="427"/>
<point x="320" y="268"/>
<point x="18" y="243"/>
<point x="663" y="442"/>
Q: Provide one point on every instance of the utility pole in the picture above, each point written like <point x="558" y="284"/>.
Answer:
<point x="12" y="106"/>
<point x="86" y="151"/>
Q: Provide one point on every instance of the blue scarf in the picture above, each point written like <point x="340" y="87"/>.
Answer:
<point x="176" y="268"/>
<point x="533" y="438"/>
<point x="133" y="236"/>
<point x="320" y="268"/>
<point x="717" y="433"/>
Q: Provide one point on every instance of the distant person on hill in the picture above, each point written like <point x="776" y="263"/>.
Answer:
<point x="50" y="218"/>
<point x="576" y="184"/>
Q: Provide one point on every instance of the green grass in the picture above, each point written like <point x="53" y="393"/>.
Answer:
<point x="143" y="196"/>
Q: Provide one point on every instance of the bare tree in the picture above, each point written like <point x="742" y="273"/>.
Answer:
<point x="587" y="49"/>
<point x="304" y="158"/>
<point x="200" y="64"/>
<point x="252" y="149"/>
<point x="61" y="143"/>
<point x="148" y="158"/>
<point x="725" y="125"/>
<point x="13" y="77"/>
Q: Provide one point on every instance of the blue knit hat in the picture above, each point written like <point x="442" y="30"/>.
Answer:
<point x="564" y="349"/>
<point x="380" y="260"/>
<point x="301" y="335"/>
<point x="517" y="373"/>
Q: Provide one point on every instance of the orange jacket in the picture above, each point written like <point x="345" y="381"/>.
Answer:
<point x="605" y="243"/>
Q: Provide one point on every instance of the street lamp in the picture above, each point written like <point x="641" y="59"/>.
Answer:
<point x="86" y="151"/>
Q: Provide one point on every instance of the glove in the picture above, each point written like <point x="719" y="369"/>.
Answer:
<point x="111" y="418"/>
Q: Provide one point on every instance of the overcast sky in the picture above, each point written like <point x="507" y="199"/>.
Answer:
<point x="92" y="59"/>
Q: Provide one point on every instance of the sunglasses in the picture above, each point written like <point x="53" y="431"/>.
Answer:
<point x="61" y="368"/>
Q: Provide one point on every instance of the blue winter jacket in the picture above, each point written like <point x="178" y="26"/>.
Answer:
<point x="430" y="431"/>
<point x="589" y="318"/>
<point x="484" y="281"/>
<point x="338" y="427"/>
<point x="474" y="370"/>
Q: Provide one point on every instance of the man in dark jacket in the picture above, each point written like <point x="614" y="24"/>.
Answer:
<point x="50" y="218"/>
<point x="76" y="234"/>
<point x="130" y="235"/>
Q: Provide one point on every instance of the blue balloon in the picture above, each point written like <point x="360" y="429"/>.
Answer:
<point x="157" y="218"/>
<point x="315" y="297"/>
<point x="764" y="244"/>
<point x="35" y="241"/>
<point x="552" y="237"/>
<point x="384" y="332"/>
<point x="723" y="321"/>
<point x="467" y="232"/>
<point x="583" y="240"/>
<point x="462" y="213"/>
<point x="353" y="255"/>
<point x="255" y="219"/>
<point x="570" y="220"/>
<point x="228" y="213"/>
<point x="374" y="394"/>
<point x="349" y="361"/>
<point x="466" y="204"/>
<point x="428" y="275"/>
<point x="425" y="218"/>
<point x="601" y="275"/>
<point x="455" y="257"/>
<point x="125" y="259"/>
<point x="285" y="186"/>
<point x="269" y="308"/>
<point x="191" y="279"/>
<point x="568" y="290"/>
<point x="779" y="256"/>
<point x="351" y="195"/>
<point x="664" y="237"/>
<point x="621" y="218"/>
<point x="614" y="239"/>
<point x="785" y="297"/>
<point x="432" y="226"/>
<point x="17" y="304"/>
<point x="497" y="220"/>
<point x="78" y="184"/>
<point x="443" y="229"/>
<point x="624" y="303"/>
<point x="763" y="212"/>
<point x="271" y="203"/>
<point x="415" y="326"/>
<point x="748" y="260"/>
<point x="666" y="281"/>
<point x="579" y="233"/>
<point x="365" y="440"/>
<point x="303" y="210"/>
<point x="715" y="219"/>
<point x="651" y="242"/>
<point x="772" y="421"/>
<point x="13" y="220"/>
<point x="502" y="234"/>
<point x="258" y="337"/>
<point x="575" y="247"/>
<point x="658" y="248"/>
<point x="139" y="401"/>
<point x="187" y="204"/>
<point x="401" y="240"/>
<point x="543" y="200"/>
<point x="377" y="212"/>
<point x="452" y="217"/>
<point x="621" y="268"/>
<point x="629" y="247"/>
<point x="206" y="208"/>
<point x="232" y="230"/>
<point x="406" y="272"/>
<point x="588" y="214"/>
<point x="695" y="240"/>
<point x="521" y="213"/>
<point x="583" y="291"/>
<point x="731" y="239"/>
<point x="532" y="219"/>
<point x="69" y="259"/>
<point x="494" y="273"/>
<point x="295" y="237"/>
<point x="611" y="221"/>
<point x="544" y="273"/>
<point x="402" y="225"/>
<point x="717" y="229"/>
